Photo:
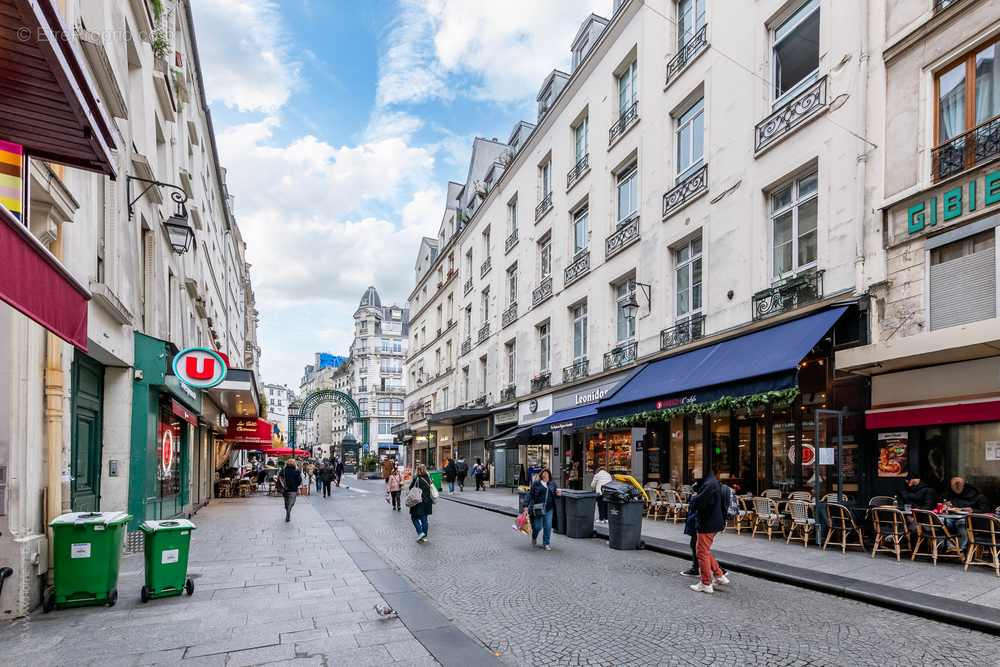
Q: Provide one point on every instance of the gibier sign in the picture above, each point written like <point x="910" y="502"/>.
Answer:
<point x="947" y="205"/>
<point x="200" y="367"/>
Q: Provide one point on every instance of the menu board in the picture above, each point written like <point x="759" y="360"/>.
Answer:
<point x="893" y="450"/>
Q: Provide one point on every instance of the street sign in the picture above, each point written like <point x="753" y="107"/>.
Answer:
<point x="200" y="367"/>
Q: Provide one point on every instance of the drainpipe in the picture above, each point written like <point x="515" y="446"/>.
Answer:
<point x="862" y="160"/>
<point x="54" y="392"/>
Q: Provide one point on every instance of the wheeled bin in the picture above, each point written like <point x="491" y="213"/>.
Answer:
<point x="87" y="548"/>
<point x="166" y="553"/>
<point x="624" y="515"/>
<point x="435" y="476"/>
<point x="559" y="516"/>
<point x="579" y="512"/>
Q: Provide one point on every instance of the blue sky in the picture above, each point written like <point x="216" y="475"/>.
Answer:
<point x="341" y="122"/>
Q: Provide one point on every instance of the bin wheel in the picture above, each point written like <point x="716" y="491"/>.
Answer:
<point x="144" y="594"/>
<point x="189" y="586"/>
<point x="113" y="597"/>
<point x="48" y="601"/>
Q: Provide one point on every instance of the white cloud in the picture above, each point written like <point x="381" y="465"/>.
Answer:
<point x="245" y="54"/>
<point x="408" y="71"/>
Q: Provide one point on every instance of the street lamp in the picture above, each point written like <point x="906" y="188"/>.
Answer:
<point x="631" y="307"/>
<point x="178" y="230"/>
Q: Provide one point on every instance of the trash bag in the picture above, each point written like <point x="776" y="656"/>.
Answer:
<point x="620" y="492"/>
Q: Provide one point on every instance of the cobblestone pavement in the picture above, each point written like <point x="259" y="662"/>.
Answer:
<point x="583" y="604"/>
<point x="266" y="592"/>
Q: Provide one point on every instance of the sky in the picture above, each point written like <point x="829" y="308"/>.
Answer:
<point x="340" y="123"/>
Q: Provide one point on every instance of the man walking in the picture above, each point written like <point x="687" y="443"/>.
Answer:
<point x="450" y="473"/>
<point x="339" y="470"/>
<point x="292" y="480"/>
<point x="462" y="470"/>
<point x="326" y="475"/>
<point x="707" y="505"/>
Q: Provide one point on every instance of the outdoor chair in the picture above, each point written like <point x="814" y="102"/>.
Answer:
<point x="832" y="498"/>
<point x="983" y="531"/>
<point x="890" y="531"/>
<point x="932" y="532"/>
<point x="657" y="507"/>
<point x="840" y="521"/>
<point x="686" y="491"/>
<point x="766" y="516"/>
<point x="676" y="507"/>
<point x="804" y="496"/>
<point x="882" y="501"/>
<point x="650" y="502"/>
<point x="743" y="519"/>
<point x="773" y="494"/>
<point x="802" y="523"/>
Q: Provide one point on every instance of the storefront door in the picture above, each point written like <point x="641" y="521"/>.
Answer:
<point x="86" y="438"/>
<point x="751" y="459"/>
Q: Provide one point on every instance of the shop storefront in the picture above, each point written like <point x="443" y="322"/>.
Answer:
<point x="211" y="428"/>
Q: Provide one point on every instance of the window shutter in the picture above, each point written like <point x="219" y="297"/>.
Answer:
<point x="964" y="290"/>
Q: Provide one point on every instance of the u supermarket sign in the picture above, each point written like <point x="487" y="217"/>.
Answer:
<point x="200" y="367"/>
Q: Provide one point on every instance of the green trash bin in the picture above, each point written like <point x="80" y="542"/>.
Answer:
<point x="88" y="547"/>
<point x="436" y="478"/>
<point x="167" y="544"/>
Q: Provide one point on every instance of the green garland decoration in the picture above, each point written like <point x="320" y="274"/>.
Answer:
<point x="779" y="399"/>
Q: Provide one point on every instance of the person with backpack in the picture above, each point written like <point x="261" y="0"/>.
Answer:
<point x="291" y="480"/>
<point x="420" y="500"/>
<point x="711" y="519"/>
<point x="541" y="507"/>
<point x="479" y="474"/>
<point x="461" y="471"/>
<point x="450" y="474"/>
<point x="394" y="485"/>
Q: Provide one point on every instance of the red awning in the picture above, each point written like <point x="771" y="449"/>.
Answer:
<point x="933" y="415"/>
<point x="286" y="451"/>
<point x="34" y="282"/>
<point x="182" y="412"/>
<point x="249" y="434"/>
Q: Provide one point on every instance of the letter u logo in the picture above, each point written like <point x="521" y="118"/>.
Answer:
<point x="206" y="372"/>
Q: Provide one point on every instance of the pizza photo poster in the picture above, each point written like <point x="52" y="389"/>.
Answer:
<point x="892" y="454"/>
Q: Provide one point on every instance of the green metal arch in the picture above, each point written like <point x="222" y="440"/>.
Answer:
<point x="305" y="409"/>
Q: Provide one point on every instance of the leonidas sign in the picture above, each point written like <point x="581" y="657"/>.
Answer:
<point x="950" y="204"/>
<point x="199" y="367"/>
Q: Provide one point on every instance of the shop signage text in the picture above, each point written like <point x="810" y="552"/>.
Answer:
<point x="674" y="402"/>
<point x="590" y="396"/>
<point x="200" y="367"/>
<point x="945" y="206"/>
<point x="505" y="417"/>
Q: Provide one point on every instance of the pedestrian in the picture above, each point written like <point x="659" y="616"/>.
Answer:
<point x="394" y="484"/>
<point x="711" y="519"/>
<point x="308" y="472"/>
<point x="326" y="475"/>
<point x="425" y="507"/>
<point x="462" y="470"/>
<point x="479" y="472"/>
<point x="387" y="465"/>
<point x="541" y="506"/>
<point x="291" y="480"/>
<point x="597" y="484"/>
<point x="691" y="529"/>
<point x="339" y="470"/>
<point x="450" y="473"/>
<point x="319" y="480"/>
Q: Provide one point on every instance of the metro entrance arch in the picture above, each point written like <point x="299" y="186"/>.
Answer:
<point x="304" y="410"/>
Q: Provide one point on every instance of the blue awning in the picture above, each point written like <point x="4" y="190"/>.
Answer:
<point x="570" y="418"/>
<point x="760" y="361"/>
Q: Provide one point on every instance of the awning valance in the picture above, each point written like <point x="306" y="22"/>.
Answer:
<point x="578" y="417"/>
<point x="965" y="412"/>
<point x="253" y="431"/>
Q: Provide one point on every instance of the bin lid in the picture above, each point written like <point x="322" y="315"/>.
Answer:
<point x="91" y="518"/>
<point x="573" y="493"/>
<point x="166" y="525"/>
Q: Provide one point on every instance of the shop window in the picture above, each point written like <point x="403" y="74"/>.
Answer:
<point x="783" y="450"/>
<point x="721" y="442"/>
<point x="963" y="279"/>
<point x="796" y="52"/>
<point x="793" y="226"/>
<point x="676" y="453"/>
<point x="961" y="451"/>
<point x="610" y="450"/>
<point x="695" y="448"/>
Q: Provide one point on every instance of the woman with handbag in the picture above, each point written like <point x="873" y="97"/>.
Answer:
<point x="541" y="506"/>
<point x="420" y="500"/>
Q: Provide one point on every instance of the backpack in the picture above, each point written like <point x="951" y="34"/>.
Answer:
<point x="730" y="505"/>
<point x="414" y="496"/>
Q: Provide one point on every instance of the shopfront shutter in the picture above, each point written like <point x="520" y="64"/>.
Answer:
<point x="964" y="290"/>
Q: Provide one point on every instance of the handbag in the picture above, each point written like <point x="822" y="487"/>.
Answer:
<point x="538" y="509"/>
<point x="434" y="493"/>
<point x="414" y="496"/>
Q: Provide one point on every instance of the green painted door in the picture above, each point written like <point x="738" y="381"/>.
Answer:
<point x="87" y="406"/>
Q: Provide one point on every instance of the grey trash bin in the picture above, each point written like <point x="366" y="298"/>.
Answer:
<point x="624" y="515"/>
<point x="559" y="520"/>
<point x="579" y="514"/>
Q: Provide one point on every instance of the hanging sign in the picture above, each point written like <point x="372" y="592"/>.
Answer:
<point x="200" y="367"/>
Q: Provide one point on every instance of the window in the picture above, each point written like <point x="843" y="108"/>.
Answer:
<point x="437" y="360"/>
<point x="482" y="376"/>
<point x="484" y="308"/>
<point x="468" y="264"/>
<point x="512" y="285"/>
<point x="796" y="51"/>
<point x="579" y="332"/>
<point x="448" y="355"/>
<point x="580" y="230"/>
<point x="544" y="357"/>
<point x="687" y="279"/>
<point x="628" y="194"/>
<point x="959" y="109"/>
<point x="486" y="242"/>
<point x="384" y="427"/>
<point x="690" y="139"/>
<point x="690" y="19"/>
<point x="440" y="317"/>
<point x="580" y="140"/>
<point x="545" y="179"/>
<point x="444" y="398"/>
<point x="793" y="225"/>
<point x="628" y="88"/>
<point x="963" y="281"/>
<point x="624" y="293"/>
<point x="510" y="354"/>
<point x="465" y="384"/>
<point x="468" y="321"/>
<point x="391" y="365"/>
<point x="580" y="52"/>
<point x="451" y="307"/>
<point x="512" y="216"/>
<point x="545" y="257"/>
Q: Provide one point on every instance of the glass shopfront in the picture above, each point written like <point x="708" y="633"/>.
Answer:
<point x="170" y="454"/>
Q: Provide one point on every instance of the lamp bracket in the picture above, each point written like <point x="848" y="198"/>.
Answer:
<point x="179" y="196"/>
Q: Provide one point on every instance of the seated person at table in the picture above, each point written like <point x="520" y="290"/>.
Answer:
<point x="966" y="496"/>
<point x="918" y="495"/>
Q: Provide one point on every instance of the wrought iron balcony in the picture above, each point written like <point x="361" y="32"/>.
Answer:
<point x="507" y="393"/>
<point x="628" y="118"/>
<point x="509" y="315"/>
<point x="687" y="53"/>
<point x="542" y="292"/>
<point x="466" y="345"/>
<point x="626" y="234"/>
<point x="788" y="294"/>
<point x="804" y="106"/>
<point x="578" y="267"/>
<point x="683" y="333"/>
<point x="541" y="381"/>
<point x="621" y="355"/>
<point x="693" y="186"/>
<point x="468" y="285"/>
<point x="510" y="242"/>
<point x="485" y="267"/>
<point x="578" y="369"/>
<point x="479" y="402"/>
<point x="543" y="207"/>
<point x="576" y="173"/>
<point x="978" y="145"/>
<point x="484" y="333"/>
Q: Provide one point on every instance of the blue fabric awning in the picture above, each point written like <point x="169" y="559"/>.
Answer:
<point x="569" y="418"/>
<point x="760" y="361"/>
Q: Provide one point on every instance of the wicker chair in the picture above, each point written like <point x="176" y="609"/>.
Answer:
<point x="676" y="506"/>
<point x="773" y="494"/>
<point x="766" y="516"/>
<point x="804" y="496"/>
<point x="658" y="507"/>
<point x="743" y="519"/>
<point x="983" y="531"/>
<point x="840" y="521"/>
<point x="890" y="531"/>
<point x="932" y="531"/>
<point x="882" y="501"/>
<point x="832" y="498"/>
<point x="802" y="523"/>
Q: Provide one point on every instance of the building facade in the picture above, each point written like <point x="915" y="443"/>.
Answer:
<point x="279" y="397"/>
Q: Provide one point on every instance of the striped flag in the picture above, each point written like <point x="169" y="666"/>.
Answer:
<point x="11" y="177"/>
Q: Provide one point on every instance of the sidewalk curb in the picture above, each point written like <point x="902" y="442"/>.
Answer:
<point x="934" y="607"/>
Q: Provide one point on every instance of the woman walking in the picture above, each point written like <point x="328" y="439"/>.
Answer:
<point x="423" y="509"/>
<point x="393" y="484"/>
<point x="541" y="506"/>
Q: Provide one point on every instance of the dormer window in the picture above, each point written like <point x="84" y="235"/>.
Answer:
<point x="580" y="52"/>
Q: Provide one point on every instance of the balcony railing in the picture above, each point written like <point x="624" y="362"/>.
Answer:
<point x="577" y="268"/>
<point x="466" y="345"/>
<point x="578" y="369"/>
<point x="509" y="315"/>
<point x="978" y="145"/>
<point x="485" y="267"/>
<point x="789" y="294"/>
<point x="507" y="393"/>
<point x="802" y="107"/>
<point x="576" y="173"/>
<point x="484" y="333"/>
<point x="479" y="402"/>
<point x="510" y="242"/>
<point x="624" y="122"/>
<point x="542" y="292"/>
<point x="626" y="234"/>
<point x="541" y="381"/>
<point x="687" y="53"/>
<point x="685" y="192"/>
<point x="543" y="207"/>
<point x="621" y="355"/>
<point x="468" y="285"/>
<point x="683" y="333"/>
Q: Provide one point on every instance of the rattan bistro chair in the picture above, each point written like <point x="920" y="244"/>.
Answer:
<point x="676" y="506"/>
<point x="659" y="507"/>
<point x="766" y="516"/>
<point x="802" y="524"/>
<point x="743" y="519"/>
<point x="882" y="501"/>
<point x="840" y="522"/>
<point x="773" y="494"/>
<point x="932" y="532"/>
<point x="890" y="531"/>
<point x="983" y="531"/>
<point x="804" y="496"/>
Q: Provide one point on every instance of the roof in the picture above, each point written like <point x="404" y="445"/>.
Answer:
<point x="371" y="298"/>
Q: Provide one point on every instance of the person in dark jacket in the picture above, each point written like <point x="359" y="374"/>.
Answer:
<point x="479" y="471"/>
<point x="326" y="476"/>
<point x="691" y="529"/>
<point x="918" y="495"/>
<point x="423" y="509"/>
<point x="541" y="507"/>
<point x="462" y="471"/>
<point x="711" y="520"/>
<point x="966" y="496"/>
<point x="291" y="480"/>
<point x="450" y="473"/>
<point x="340" y="470"/>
